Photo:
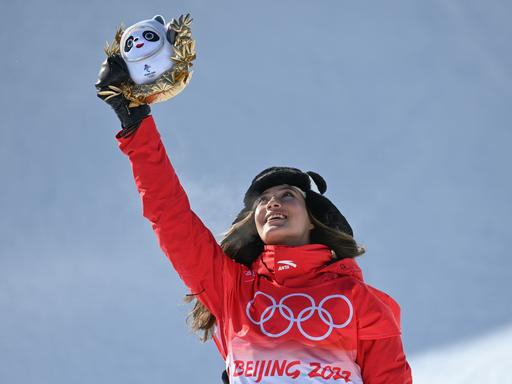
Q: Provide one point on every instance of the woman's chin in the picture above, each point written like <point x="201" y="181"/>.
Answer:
<point x="275" y="236"/>
<point x="282" y="237"/>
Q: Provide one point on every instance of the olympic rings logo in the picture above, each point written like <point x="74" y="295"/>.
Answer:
<point x="304" y="315"/>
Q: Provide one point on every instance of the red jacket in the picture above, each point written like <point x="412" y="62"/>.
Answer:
<point x="294" y="316"/>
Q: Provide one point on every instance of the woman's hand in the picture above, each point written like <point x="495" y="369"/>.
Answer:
<point x="113" y="73"/>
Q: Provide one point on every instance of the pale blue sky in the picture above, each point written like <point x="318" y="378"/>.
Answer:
<point x="404" y="107"/>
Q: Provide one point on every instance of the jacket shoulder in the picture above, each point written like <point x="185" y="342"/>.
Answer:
<point x="378" y="313"/>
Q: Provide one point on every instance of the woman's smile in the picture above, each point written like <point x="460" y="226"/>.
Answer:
<point x="275" y="217"/>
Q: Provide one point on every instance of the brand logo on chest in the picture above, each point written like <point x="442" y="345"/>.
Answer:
<point x="286" y="264"/>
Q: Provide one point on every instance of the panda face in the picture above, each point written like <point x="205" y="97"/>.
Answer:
<point x="142" y="43"/>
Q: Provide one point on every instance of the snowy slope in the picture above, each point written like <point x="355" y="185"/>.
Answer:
<point x="484" y="360"/>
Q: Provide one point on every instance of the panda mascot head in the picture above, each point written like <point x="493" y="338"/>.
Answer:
<point x="146" y="47"/>
<point x="158" y="56"/>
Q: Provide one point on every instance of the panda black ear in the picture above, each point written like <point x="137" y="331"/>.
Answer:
<point x="171" y="33"/>
<point x="160" y="19"/>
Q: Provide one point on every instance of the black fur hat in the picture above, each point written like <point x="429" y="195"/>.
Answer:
<point x="320" y="206"/>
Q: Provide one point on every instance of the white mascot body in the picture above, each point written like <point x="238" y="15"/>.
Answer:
<point x="146" y="49"/>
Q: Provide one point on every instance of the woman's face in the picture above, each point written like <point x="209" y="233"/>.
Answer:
<point x="281" y="216"/>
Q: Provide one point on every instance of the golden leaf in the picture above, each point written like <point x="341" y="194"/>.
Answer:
<point x="114" y="48"/>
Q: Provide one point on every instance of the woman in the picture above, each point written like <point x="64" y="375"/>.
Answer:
<point x="281" y="295"/>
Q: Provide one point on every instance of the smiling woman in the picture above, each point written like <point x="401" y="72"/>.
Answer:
<point x="281" y="295"/>
<point x="281" y="216"/>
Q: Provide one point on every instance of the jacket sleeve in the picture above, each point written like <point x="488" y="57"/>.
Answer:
<point x="383" y="361"/>
<point x="189" y="245"/>
<point x="379" y="348"/>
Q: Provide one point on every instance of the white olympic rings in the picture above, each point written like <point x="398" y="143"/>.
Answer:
<point x="303" y="315"/>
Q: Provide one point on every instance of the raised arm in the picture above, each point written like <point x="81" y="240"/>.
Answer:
<point x="189" y="245"/>
<point x="185" y="240"/>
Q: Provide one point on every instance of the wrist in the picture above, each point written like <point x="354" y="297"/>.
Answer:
<point x="128" y="116"/>
<point x="131" y="117"/>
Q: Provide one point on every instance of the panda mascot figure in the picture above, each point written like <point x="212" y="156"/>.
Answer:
<point x="158" y="57"/>
<point x="146" y="49"/>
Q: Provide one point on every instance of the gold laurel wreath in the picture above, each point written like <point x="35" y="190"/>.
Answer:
<point x="171" y="82"/>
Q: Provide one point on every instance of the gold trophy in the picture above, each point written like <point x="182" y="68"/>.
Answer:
<point x="158" y="57"/>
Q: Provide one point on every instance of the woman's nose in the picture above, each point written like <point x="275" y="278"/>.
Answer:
<point x="273" y="202"/>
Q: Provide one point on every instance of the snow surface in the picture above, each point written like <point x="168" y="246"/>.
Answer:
<point x="483" y="360"/>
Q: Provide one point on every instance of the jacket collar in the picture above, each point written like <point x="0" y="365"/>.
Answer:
<point x="302" y="265"/>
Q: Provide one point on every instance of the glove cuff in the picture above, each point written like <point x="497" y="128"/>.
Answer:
<point x="130" y="117"/>
<point x="128" y="131"/>
<point x="133" y="116"/>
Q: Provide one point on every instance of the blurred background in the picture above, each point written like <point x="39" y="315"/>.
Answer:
<point x="404" y="107"/>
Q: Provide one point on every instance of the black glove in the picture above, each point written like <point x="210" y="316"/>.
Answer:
<point x="113" y="72"/>
<point x="225" y="377"/>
